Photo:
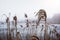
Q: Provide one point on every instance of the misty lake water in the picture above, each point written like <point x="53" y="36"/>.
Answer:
<point x="26" y="30"/>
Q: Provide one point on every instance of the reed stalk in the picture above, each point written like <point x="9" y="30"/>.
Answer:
<point x="15" y="21"/>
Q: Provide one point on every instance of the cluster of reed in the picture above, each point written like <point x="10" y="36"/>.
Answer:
<point x="41" y="15"/>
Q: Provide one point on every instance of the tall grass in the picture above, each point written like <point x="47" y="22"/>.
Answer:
<point x="33" y="36"/>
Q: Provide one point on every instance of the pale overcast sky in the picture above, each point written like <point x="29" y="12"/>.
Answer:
<point x="19" y="7"/>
